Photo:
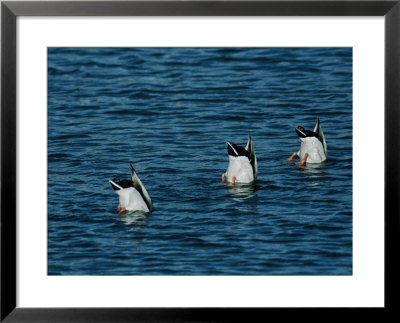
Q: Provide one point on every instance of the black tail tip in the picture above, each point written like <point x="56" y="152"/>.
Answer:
<point x="115" y="188"/>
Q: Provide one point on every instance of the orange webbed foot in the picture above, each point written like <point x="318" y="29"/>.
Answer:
<point x="292" y="156"/>
<point x="120" y="209"/>
<point x="303" y="161"/>
<point x="233" y="180"/>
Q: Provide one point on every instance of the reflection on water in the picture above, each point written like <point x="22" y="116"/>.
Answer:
<point x="136" y="220"/>
<point x="314" y="169"/>
<point x="241" y="192"/>
<point x="315" y="173"/>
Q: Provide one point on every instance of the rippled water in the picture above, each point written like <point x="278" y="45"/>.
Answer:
<point x="169" y="112"/>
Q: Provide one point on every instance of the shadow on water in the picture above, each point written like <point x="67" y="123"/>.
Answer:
<point x="135" y="220"/>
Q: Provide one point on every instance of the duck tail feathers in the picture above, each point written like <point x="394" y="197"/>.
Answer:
<point x="317" y="126"/>
<point x="137" y="184"/>
<point x="250" y="148"/>
<point x="249" y="144"/>
<point x="253" y="158"/>
<point x="132" y="170"/>
<point x="321" y="137"/>
<point x="115" y="186"/>
<point x="230" y="147"/>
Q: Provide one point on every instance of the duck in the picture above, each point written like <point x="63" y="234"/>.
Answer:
<point x="133" y="196"/>
<point x="313" y="147"/>
<point x="242" y="167"/>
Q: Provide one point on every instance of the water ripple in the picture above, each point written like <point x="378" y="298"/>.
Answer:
<point x="170" y="111"/>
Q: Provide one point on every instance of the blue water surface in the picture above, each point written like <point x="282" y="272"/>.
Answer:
<point x="169" y="112"/>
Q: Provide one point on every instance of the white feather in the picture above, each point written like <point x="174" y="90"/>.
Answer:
<point x="131" y="200"/>
<point x="250" y="148"/>
<point x="239" y="167"/>
<point x="146" y="195"/>
<point x="314" y="148"/>
<point x="318" y="129"/>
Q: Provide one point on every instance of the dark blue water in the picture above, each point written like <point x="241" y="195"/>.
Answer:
<point x="169" y="112"/>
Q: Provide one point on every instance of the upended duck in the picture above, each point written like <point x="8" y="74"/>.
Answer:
<point x="313" y="147"/>
<point x="133" y="196"/>
<point x="242" y="167"/>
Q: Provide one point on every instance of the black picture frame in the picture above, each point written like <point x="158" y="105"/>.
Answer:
<point x="10" y="10"/>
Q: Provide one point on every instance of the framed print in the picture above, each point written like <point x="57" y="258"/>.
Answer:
<point x="195" y="160"/>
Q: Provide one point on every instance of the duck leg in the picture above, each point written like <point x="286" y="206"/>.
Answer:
<point x="223" y="178"/>
<point x="120" y="209"/>
<point x="303" y="161"/>
<point x="233" y="180"/>
<point x="292" y="156"/>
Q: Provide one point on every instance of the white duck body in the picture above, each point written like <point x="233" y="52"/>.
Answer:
<point x="133" y="196"/>
<point x="242" y="163"/>
<point x="131" y="200"/>
<point x="241" y="168"/>
<point x="312" y="143"/>
<point x="314" y="148"/>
